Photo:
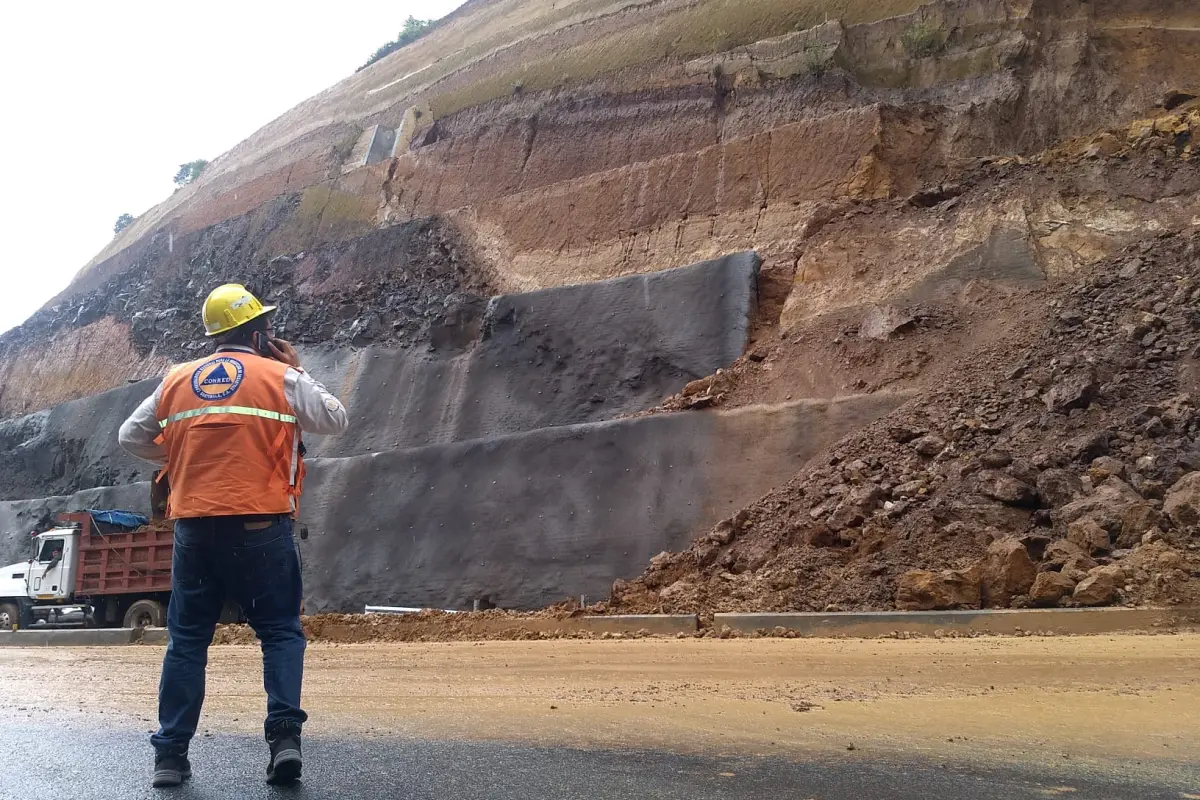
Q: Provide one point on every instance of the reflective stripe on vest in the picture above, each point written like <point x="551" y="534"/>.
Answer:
<point x="241" y="410"/>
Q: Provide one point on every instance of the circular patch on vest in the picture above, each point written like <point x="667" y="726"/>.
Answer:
<point x="218" y="378"/>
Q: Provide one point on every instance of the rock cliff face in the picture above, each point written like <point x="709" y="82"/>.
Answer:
<point x="897" y="166"/>
<point x="521" y="146"/>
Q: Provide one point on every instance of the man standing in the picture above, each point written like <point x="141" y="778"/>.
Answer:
<point x="227" y="430"/>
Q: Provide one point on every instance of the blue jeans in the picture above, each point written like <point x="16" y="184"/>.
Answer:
<point x="215" y="558"/>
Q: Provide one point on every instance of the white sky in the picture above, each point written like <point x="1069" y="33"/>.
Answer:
<point x="101" y="102"/>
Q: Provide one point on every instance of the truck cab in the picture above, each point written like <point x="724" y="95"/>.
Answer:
<point x="47" y="577"/>
<point x="51" y="573"/>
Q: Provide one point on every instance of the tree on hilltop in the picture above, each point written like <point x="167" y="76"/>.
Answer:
<point x="190" y="171"/>
<point x="413" y="29"/>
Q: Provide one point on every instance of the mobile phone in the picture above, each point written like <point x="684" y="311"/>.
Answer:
<point x="261" y="343"/>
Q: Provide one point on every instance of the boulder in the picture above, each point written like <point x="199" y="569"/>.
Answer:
<point x="996" y="459"/>
<point x="1091" y="538"/>
<point x="911" y="488"/>
<point x="1008" y="572"/>
<point x="1100" y="586"/>
<point x="1135" y="522"/>
<point x="1063" y="552"/>
<point x="903" y="434"/>
<point x="1088" y="446"/>
<point x="1107" y="504"/>
<point x="921" y="590"/>
<point x="1005" y="488"/>
<point x="929" y="445"/>
<point x="1182" y="502"/>
<point x="1076" y="390"/>
<point x="1077" y="568"/>
<point x="1058" y="487"/>
<point x="1050" y="587"/>
<point x="857" y="505"/>
<point x="1105" y="467"/>
<point x="880" y="322"/>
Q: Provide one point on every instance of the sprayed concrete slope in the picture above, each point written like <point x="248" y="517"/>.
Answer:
<point x="555" y="357"/>
<point x="497" y="471"/>
<point x="538" y="517"/>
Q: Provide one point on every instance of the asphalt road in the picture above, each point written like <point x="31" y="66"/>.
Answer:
<point x="85" y="761"/>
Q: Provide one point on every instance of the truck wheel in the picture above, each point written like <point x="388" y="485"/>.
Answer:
<point x="145" y="614"/>
<point x="10" y="616"/>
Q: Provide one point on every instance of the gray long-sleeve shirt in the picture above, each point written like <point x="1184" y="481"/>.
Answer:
<point x="317" y="412"/>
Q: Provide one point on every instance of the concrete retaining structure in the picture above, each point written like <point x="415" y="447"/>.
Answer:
<point x="526" y="519"/>
<point x="555" y="357"/>
<point x="533" y="518"/>
<point x="929" y="623"/>
<point x="544" y="359"/>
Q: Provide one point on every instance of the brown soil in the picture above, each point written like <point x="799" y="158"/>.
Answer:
<point x="1032" y="700"/>
<point x="427" y="626"/>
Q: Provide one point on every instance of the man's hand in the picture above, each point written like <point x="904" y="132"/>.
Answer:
<point x="283" y="351"/>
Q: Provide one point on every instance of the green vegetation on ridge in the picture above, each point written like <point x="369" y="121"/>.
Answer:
<point x="413" y="29"/>
<point x="190" y="171"/>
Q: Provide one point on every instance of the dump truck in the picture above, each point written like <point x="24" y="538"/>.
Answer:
<point x="86" y="572"/>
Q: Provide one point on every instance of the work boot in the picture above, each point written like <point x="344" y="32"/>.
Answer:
<point x="286" y="762"/>
<point x="170" y="771"/>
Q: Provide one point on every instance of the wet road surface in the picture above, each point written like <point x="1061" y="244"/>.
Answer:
<point x="85" y="760"/>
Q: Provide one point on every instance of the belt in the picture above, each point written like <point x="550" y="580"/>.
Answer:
<point x="262" y="517"/>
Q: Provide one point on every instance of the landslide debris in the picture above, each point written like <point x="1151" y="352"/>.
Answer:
<point x="431" y="626"/>
<point x="403" y="285"/>
<point x="1056" y="466"/>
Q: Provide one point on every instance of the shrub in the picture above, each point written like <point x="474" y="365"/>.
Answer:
<point x="815" y="60"/>
<point x="123" y="222"/>
<point x="923" y="39"/>
<point x="190" y="171"/>
<point x="413" y="29"/>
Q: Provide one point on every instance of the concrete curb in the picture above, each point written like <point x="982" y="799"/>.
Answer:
<point x="1013" y="621"/>
<point x="153" y="636"/>
<point x="83" y="637"/>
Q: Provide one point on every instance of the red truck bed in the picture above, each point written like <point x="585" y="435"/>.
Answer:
<point x="121" y="563"/>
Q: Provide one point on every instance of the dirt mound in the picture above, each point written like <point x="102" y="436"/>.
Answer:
<point x="1055" y="466"/>
<point x="428" y="626"/>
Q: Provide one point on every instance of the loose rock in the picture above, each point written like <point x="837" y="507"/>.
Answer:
<point x="1006" y="489"/>
<point x="1050" y="587"/>
<point x="920" y="590"/>
<point x="1089" y="536"/>
<point x="1008" y="571"/>
<point x="1182" y="503"/>
<point x="1100" y="586"/>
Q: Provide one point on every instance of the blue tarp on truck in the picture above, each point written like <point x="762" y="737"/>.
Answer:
<point x="127" y="520"/>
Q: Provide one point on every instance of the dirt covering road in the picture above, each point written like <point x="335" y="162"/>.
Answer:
<point x="1125" y="702"/>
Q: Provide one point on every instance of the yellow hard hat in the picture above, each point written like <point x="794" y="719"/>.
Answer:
<point x="229" y="306"/>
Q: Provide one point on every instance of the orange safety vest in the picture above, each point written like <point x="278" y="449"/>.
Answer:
<point x="231" y="437"/>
